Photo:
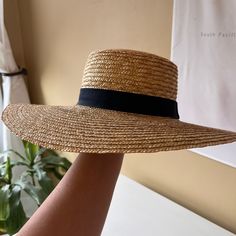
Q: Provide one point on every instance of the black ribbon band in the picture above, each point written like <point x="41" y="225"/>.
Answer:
<point x="21" y="71"/>
<point x="128" y="102"/>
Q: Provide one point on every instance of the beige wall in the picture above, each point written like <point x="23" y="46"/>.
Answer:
<point x="57" y="37"/>
<point x="13" y="26"/>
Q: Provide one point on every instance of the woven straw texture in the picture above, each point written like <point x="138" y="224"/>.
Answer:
<point x="94" y="130"/>
<point x="131" y="71"/>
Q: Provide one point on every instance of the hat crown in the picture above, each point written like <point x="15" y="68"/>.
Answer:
<point x="131" y="71"/>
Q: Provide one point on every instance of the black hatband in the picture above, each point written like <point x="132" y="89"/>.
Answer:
<point x="128" y="102"/>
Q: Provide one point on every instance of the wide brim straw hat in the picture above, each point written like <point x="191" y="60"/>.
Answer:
<point x="127" y="104"/>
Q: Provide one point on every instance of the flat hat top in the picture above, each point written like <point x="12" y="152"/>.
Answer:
<point x="131" y="71"/>
<point x="115" y="79"/>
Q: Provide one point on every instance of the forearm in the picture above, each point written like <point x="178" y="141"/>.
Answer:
<point x="80" y="202"/>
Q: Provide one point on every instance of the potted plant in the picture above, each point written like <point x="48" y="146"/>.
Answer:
<point x="44" y="168"/>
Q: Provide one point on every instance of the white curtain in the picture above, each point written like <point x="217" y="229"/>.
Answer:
<point x="13" y="90"/>
<point x="204" y="48"/>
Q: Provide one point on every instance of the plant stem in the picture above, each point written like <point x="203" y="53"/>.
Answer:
<point x="32" y="177"/>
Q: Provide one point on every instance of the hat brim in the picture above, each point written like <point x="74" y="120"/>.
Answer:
<point x="94" y="130"/>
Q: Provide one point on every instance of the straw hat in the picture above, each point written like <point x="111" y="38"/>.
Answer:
<point x="127" y="104"/>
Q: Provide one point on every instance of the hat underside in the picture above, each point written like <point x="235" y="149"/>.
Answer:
<point x="95" y="130"/>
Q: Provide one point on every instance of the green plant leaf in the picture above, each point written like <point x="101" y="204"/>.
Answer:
<point x="41" y="151"/>
<point x="34" y="192"/>
<point x="31" y="151"/>
<point x="56" y="161"/>
<point x="4" y="203"/>
<point x="17" y="217"/>
<point x="50" y="159"/>
<point x="3" y="182"/>
<point x="39" y="161"/>
<point x="8" y="175"/>
<point x="66" y="164"/>
<point x="12" y="151"/>
<point x="3" y="169"/>
<point x="19" y="163"/>
<point x="57" y="173"/>
<point x="3" y="226"/>
<point x="44" y="181"/>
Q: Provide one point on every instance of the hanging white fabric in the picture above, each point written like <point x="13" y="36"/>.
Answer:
<point x="13" y="89"/>
<point x="204" y="48"/>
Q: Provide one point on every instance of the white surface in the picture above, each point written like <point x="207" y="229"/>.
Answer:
<point x="223" y="153"/>
<point x="203" y="47"/>
<point x="137" y="211"/>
